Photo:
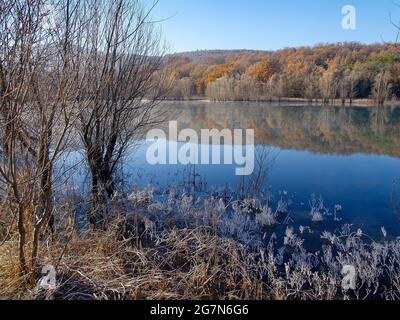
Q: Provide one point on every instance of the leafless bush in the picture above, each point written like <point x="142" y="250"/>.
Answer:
<point x="74" y="66"/>
<point x="121" y="53"/>
<point x="243" y="89"/>
<point x="382" y="87"/>
<point x="38" y="83"/>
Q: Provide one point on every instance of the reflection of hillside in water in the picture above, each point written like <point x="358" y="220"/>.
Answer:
<point x="341" y="130"/>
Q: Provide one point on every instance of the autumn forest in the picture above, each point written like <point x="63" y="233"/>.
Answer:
<point x="344" y="71"/>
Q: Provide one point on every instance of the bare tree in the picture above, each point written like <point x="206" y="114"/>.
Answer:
<point x="182" y="89"/>
<point x="328" y="87"/>
<point x="348" y="86"/>
<point x="222" y="89"/>
<point x="352" y="79"/>
<point x="277" y="85"/>
<point x="381" y="88"/>
<point x="311" y="89"/>
<point x="37" y="86"/>
<point x="123" y="52"/>
<point x="343" y="90"/>
<point x="85" y="66"/>
<point x="241" y="89"/>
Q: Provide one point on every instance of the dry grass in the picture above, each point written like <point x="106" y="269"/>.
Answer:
<point x="148" y="256"/>
<point x="183" y="264"/>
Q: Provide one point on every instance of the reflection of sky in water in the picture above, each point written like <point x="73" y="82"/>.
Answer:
<point x="361" y="184"/>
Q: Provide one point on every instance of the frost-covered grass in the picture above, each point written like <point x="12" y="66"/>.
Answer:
<point x="177" y="246"/>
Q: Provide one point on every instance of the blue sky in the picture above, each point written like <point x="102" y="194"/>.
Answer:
<point x="270" y="25"/>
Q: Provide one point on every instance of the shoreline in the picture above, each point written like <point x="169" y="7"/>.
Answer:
<point x="300" y="101"/>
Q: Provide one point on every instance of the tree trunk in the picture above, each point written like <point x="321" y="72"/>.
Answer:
<point x="22" y="241"/>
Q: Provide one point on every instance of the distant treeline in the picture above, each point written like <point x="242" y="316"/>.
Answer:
<point x="343" y="71"/>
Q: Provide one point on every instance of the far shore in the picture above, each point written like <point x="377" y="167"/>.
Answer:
<point x="293" y="101"/>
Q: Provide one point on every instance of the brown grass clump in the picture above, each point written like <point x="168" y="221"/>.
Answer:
<point x="12" y="285"/>
<point x="179" y="264"/>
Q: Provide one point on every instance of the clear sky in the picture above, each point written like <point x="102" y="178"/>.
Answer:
<point x="271" y="24"/>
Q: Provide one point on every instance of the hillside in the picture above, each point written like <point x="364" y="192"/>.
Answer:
<point x="329" y="71"/>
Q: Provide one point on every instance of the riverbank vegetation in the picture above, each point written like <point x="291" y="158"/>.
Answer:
<point x="176" y="247"/>
<point x="344" y="71"/>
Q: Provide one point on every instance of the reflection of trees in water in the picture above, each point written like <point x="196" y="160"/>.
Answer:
<point x="341" y="130"/>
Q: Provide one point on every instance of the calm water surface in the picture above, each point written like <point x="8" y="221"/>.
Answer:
<point x="347" y="155"/>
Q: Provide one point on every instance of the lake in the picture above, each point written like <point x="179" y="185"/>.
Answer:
<point x="349" y="156"/>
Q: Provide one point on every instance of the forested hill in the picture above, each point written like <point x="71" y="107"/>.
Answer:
<point x="343" y="70"/>
<point x="203" y="56"/>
